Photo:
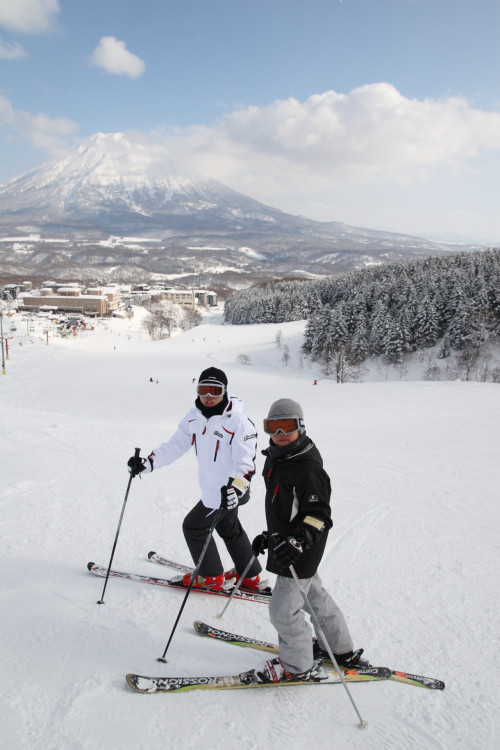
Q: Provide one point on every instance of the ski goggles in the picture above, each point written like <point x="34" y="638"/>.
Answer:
<point x="286" y="425"/>
<point x="210" y="389"/>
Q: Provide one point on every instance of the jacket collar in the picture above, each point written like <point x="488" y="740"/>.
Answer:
<point x="213" y="410"/>
<point x="289" y="452"/>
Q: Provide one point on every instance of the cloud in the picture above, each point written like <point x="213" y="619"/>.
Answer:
<point x="7" y="115"/>
<point x="372" y="134"/>
<point x="51" y="134"/>
<point x="28" y="16"/>
<point x="10" y="51"/>
<point x="47" y="133"/>
<point x="113" y="56"/>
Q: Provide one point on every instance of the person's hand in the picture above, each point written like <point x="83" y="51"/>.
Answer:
<point x="228" y="498"/>
<point x="234" y="492"/>
<point x="286" y="550"/>
<point x="137" y="464"/>
<point x="260" y="544"/>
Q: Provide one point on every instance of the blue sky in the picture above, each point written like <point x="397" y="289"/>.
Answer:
<point x="378" y="113"/>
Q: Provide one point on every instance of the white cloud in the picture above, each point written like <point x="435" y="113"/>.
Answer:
<point x="47" y="133"/>
<point x="28" y="16"/>
<point x="7" y="115"/>
<point x="10" y="51"/>
<point x="372" y="134"/>
<point x="113" y="56"/>
<point x="51" y="134"/>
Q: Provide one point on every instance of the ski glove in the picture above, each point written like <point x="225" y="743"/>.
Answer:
<point x="260" y="544"/>
<point x="286" y="550"/>
<point x="136" y="465"/>
<point x="228" y="498"/>
<point x="234" y="493"/>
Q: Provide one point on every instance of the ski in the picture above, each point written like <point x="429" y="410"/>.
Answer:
<point x="239" y="640"/>
<point x="143" y="684"/>
<point x="159" y="560"/>
<point x="246" y="596"/>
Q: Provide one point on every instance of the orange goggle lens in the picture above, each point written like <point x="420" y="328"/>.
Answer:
<point x="273" y="426"/>
<point x="210" y="390"/>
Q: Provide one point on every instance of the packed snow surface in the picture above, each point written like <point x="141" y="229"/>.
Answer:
<point x="412" y="558"/>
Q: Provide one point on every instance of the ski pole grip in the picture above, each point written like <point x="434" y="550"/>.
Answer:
<point x="137" y="452"/>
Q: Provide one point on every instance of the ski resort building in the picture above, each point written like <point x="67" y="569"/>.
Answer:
<point x="93" y="301"/>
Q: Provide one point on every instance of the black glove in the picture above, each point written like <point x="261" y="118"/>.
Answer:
<point x="260" y="544"/>
<point x="136" y="465"/>
<point x="286" y="550"/>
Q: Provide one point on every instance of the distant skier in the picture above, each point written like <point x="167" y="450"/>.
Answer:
<point x="298" y="521"/>
<point x="225" y="442"/>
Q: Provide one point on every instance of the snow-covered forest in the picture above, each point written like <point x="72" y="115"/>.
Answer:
<point x="452" y="303"/>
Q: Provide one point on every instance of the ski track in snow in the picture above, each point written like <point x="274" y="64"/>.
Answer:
<point x="360" y="530"/>
<point x="413" y="555"/>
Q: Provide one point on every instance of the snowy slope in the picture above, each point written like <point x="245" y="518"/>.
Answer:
<point x="412" y="559"/>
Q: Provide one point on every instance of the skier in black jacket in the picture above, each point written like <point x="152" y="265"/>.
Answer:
<point x="298" y="521"/>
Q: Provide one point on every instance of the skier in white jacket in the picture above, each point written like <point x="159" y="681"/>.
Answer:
<point x="225" y="442"/>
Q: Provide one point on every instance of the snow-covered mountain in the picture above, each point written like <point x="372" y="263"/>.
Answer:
<point x="122" y="203"/>
<point x="119" y="183"/>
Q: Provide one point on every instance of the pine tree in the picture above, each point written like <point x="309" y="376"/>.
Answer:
<point x="379" y="324"/>
<point x="358" y="347"/>
<point x="425" y="325"/>
<point x="393" y="342"/>
<point x="337" y="334"/>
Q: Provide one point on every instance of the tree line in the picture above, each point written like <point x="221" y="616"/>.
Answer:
<point x="386" y="311"/>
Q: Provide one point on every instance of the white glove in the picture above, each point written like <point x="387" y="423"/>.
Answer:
<point x="233" y="492"/>
<point x="228" y="498"/>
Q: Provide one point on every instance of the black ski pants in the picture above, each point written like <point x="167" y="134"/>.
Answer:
<point x="196" y="527"/>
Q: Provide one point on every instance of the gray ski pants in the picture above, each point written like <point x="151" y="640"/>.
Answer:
<point x="286" y="612"/>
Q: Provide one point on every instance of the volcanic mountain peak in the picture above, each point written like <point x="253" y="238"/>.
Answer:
<point x="110" y="160"/>
<point x="123" y="185"/>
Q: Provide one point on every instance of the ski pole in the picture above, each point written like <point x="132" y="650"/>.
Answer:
<point x="101" y="600"/>
<point x="235" y="589"/>
<point x="193" y="579"/>
<point x="362" y="723"/>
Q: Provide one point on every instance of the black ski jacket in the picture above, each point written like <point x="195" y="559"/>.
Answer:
<point x="297" y="497"/>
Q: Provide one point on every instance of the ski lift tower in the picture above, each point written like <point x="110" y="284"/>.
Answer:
<point x="1" y="336"/>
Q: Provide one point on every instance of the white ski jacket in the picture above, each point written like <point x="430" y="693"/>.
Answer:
<point x="225" y="446"/>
